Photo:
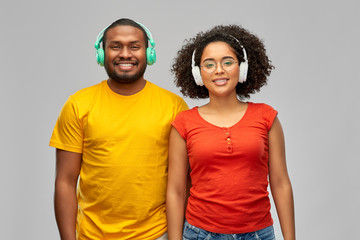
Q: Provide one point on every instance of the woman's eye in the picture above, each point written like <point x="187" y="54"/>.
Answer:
<point x="227" y="63"/>
<point x="209" y="65"/>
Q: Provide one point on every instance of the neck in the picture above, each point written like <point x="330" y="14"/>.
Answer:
<point x="224" y="104"/>
<point x="126" y="89"/>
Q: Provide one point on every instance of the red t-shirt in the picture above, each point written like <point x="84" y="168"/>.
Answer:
<point x="229" y="170"/>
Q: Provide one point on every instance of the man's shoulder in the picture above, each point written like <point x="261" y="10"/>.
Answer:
<point x="85" y="97"/>
<point x="87" y="92"/>
<point x="164" y="92"/>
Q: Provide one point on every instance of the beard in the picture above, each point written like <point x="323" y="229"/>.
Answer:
<point x="125" y="78"/>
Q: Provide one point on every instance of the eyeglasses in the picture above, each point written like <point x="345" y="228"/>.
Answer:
<point x="210" y="66"/>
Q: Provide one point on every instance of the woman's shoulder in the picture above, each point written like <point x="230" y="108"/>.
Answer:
<point x="186" y="115"/>
<point x="189" y="112"/>
<point x="261" y="106"/>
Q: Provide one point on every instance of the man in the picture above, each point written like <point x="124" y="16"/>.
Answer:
<point x="114" y="135"/>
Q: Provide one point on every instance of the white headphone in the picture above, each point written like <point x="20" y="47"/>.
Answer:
<point x="196" y="72"/>
<point x="243" y="69"/>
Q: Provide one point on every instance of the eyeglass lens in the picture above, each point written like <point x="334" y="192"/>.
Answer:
<point x="209" y="66"/>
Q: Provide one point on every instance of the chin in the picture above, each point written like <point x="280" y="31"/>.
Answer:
<point x="125" y="80"/>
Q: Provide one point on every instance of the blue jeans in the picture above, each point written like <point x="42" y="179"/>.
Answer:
<point x="191" y="232"/>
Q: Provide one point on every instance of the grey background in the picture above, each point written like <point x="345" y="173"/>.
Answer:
<point x="48" y="54"/>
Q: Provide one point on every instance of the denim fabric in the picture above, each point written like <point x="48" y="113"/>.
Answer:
<point x="191" y="232"/>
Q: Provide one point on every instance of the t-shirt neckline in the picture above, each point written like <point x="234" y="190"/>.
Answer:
<point x="142" y="91"/>
<point x="234" y="125"/>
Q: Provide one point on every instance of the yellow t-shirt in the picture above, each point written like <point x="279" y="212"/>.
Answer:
<point x="124" y="146"/>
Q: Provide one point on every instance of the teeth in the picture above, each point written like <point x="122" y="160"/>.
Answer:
<point x="220" y="80"/>
<point x="125" y="64"/>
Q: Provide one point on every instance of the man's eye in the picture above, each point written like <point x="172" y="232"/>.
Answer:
<point x="115" y="47"/>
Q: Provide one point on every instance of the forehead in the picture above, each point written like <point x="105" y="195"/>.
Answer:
<point x="217" y="50"/>
<point x="124" y="34"/>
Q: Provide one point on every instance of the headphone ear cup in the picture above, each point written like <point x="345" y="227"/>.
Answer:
<point x="100" y="56"/>
<point x="150" y="56"/>
<point x="197" y="76"/>
<point x="243" y="71"/>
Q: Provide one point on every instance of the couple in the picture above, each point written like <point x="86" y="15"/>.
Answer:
<point x="152" y="169"/>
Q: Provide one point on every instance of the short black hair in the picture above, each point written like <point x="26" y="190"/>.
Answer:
<point x="124" y="22"/>
<point x="259" y="64"/>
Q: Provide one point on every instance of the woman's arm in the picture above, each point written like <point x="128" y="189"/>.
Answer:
<point x="280" y="182"/>
<point x="177" y="185"/>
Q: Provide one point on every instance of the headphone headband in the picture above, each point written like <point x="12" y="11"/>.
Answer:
<point x="150" y="51"/>
<point x="148" y="33"/>
<point x="243" y="68"/>
<point x="242" y="47"/>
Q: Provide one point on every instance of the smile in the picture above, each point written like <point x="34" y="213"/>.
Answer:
<point x="220" y="81"/>
<point x="125" y="66"/>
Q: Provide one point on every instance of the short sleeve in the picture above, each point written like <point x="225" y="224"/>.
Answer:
<point x="180" y="124"/>
<point x="269" y="114"/>
<point x="68" y="134"/>
<point x="182" y="106"/>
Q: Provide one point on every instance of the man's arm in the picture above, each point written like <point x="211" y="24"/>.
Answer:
<point x="177" y="185"/>
<point x="65" y="201"/>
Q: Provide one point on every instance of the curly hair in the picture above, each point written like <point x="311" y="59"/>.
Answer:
<point x="259" y="64"/>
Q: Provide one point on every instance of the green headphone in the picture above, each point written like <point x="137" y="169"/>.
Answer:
<point x="150" y="51"/>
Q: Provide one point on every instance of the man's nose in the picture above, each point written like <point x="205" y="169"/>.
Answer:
<point x="125" y="53"/>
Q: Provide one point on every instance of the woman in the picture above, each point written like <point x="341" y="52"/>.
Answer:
<point x="231" y="149"/>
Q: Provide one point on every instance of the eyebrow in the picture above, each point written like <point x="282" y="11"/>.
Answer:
<point x="119" y="42"/>
<point x="212" y="59"/>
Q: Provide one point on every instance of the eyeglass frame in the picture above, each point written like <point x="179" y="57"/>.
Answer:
<point x="221" y="64"/>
